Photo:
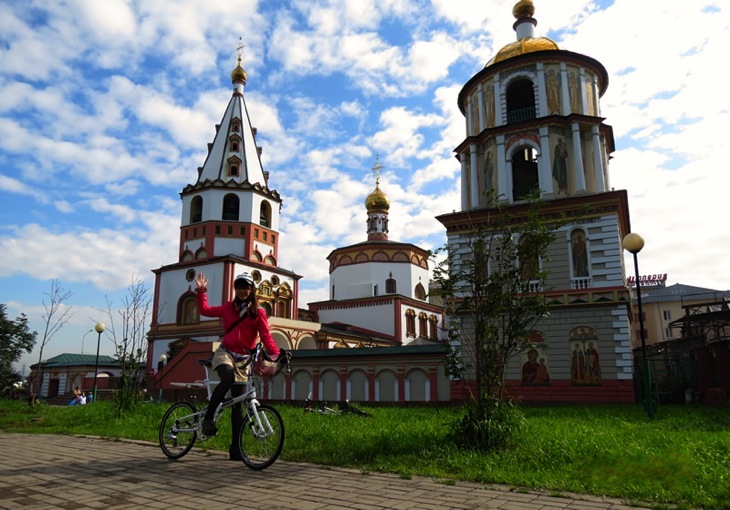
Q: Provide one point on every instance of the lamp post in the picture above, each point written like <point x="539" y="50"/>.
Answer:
<point x="633" y="243"/>
<point x="99" y="328"/>
<point x="83" y="338"/>
<point x="160" y="366"/>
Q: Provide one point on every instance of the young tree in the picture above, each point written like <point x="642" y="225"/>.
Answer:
<point x="56" y="315"/>
<point x="131" y="343"/>
<point x="16" y="338"/>
<point x="493" y="290"/>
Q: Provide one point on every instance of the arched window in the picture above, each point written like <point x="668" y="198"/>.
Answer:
<point x="201" y="253"/>
<point x="433" y="329"/>
<point x="265" y="214"/>
<point x="520" y="101"/>
<point x="187" y="310"/>
<point x="423" y="325"/>
<point x="525" y="181"/>
<point x="420" y="292"/>
<point x="411" y="322"/>
<point x="196" y="209"/>
<point x="390" y="286"/>
<point x="230" y="207"/>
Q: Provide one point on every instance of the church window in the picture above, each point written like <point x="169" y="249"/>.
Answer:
<point x="233" y="171"/>
<point x="201" y="253"/>
<point x="256" y="233"/>
<point x="234" y="146"/>
<point x="265" y="214"/>
<point x="411" y="322"/>
<point x="273" y="238"/>
<point x="243" y="231"/>
<point x="422" y="325"/>
<point x="375" y="289"/>
<point x="230" y="207"/>
<point x="235" y="127"/>
<point x="525" y="181"/>
<point x="390" y="285"/>
<point x="520" y="101"/>
<point x="333" y="292"/>
<point x="266" y="236"/>
<point x="196" y="209"/>
<point x="433" y="332"/>
<point x="217" y="230"/>
<point x="230" y="230"/>
<point x="420" y="292"/>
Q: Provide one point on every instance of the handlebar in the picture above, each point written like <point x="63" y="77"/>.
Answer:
<point x="284" y="359"/>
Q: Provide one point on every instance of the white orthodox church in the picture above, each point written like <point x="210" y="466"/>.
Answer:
<point x="376" y="339"/>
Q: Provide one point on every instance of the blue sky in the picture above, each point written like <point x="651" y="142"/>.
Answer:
<point x="106" y="109"/>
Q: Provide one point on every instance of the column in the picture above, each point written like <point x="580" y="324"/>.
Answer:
<point x="541" y="91"/>
<point x="504" y="192"/>
<point x="580" y="178"/>
<point x="544" y="163"/>
<point x="597" y="159"/>
<point x="474" y="184"/>
<point x="482" y="120"/>
<point x="564" y="92"/>
<point x="464" y="183"/>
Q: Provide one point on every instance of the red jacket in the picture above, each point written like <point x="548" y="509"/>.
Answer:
<point x="243" y="337"/>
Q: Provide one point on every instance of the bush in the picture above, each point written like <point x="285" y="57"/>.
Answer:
<point x="490" y="424"/>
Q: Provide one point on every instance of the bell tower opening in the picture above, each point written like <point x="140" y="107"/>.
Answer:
<point x="520" y="101"/>
<point x="525" y="180"/>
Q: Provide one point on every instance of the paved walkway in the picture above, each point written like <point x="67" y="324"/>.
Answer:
<point x="61" y="472"/>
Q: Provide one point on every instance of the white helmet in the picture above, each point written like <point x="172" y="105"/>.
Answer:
<point x="246" y="278"/>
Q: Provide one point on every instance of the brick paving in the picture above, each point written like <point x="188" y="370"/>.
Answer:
<point x="63" y="472"/>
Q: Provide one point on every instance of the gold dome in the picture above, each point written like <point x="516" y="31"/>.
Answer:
<point x="238" y="74"/>
<point x="523" y="46"/>
<point x="523" y="9"/>
<point x="377" y="200"/>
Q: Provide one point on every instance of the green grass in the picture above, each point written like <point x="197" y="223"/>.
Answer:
<point x="681" y="457"/>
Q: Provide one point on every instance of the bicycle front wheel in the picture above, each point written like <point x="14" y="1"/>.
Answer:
<point x="178" y="430"/>
<point x="262" y="437"/>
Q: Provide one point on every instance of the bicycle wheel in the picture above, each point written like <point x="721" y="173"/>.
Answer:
<point x="178" y="430"/>
<point x="261" y="443"/>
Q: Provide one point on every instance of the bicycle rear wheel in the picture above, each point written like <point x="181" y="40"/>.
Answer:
<point x="178" y="430"/>
<point x="261" y="443"/>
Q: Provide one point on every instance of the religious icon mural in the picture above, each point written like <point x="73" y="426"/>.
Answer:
<point x="585" y="362"/>
<point x="534" y="361"/>
<point x="579" y="253"/>
<point x="552" y="84"/>
<point x="560" y="166"/>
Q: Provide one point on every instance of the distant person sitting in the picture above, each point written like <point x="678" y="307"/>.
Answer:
<point x="82" y="399"/>
<point x="77" y="393"/>
<point x="89" y="398"/>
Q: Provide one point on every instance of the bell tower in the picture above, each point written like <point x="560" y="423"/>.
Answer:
<point x="533" y="122"/>
<point x="534" y="130"/>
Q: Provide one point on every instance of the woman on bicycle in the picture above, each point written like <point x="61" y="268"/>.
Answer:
<point x="243" y="320"/>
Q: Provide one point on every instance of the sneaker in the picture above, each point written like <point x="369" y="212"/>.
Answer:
<point x="209" y="428"/>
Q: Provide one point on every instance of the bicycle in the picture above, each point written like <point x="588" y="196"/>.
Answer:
<point x="262" y="433"/>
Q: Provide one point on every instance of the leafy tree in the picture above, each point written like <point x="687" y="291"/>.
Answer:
<point x="130" y="343"/>
<point x="493" y="290"/>
<point x="16" y="338"/>
<point x="55" y="316"/>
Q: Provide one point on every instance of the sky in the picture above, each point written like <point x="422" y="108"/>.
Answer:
<point x="106" y="110"/>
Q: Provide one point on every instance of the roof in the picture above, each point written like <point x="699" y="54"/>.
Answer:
<point x="680" y="292"/>
<point x="410" y="350"/>
<point x="69" y="359"/>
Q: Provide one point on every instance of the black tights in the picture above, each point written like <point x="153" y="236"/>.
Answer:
<point x="225" y="372"/>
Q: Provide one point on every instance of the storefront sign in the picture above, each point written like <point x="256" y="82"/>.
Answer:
<point x="650" y="280"/>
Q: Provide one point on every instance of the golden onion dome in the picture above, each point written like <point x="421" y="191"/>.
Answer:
<point x="238" y="74"/>
<point x="377" y="200"/>
<point x="523" y="46"/>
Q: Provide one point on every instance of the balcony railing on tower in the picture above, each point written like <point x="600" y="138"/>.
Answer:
<point x="521" y="115"/>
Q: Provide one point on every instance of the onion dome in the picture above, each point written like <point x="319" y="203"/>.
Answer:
<point x="526" y="43"/>
<point x="377" y="200"/>
<point x="238" y="74"/>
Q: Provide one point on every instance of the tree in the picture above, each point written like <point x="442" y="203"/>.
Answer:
<point x="493" y="290"/>
<point x="131" y="343"/>
<point x="56" y="315"/>
<point x="16" y="338"/>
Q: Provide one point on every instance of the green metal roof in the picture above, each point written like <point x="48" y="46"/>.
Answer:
<point x="68" y="359"/>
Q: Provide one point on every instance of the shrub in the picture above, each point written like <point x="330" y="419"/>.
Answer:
<point x="490" y="424"/>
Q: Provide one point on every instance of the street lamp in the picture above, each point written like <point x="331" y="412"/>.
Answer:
<point x="99" y="328"/>
<point x="160" y="366"/>
<point x="83" y="338"/>
<point x="633" y="243"/>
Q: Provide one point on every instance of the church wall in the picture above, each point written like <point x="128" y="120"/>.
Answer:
<point x="373" y="317"/>
<point x="354" y="281"/>
<point x="228" y="246"/>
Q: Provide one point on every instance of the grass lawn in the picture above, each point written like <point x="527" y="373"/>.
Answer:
<point x="681" y="457"/>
